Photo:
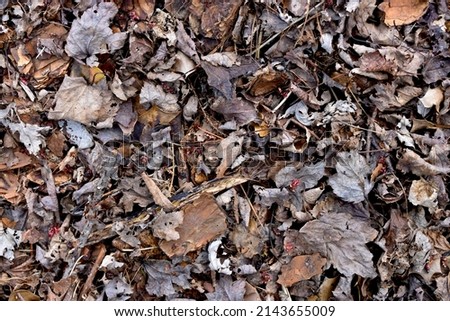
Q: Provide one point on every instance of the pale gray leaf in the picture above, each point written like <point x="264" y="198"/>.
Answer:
<point x="227" y="290"/>
<point x="341" y="238"/>
<point x="29" y="135"/>
<point x="162" y="276"/>
<point x="91" y="33"/>
<point x="308" y="176"/>
<point x="152" y="94"/>
<point x="118" y="290"/>
<point x="351" y="181"/>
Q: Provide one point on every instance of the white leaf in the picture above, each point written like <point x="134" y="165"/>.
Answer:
<point x="9" y="239"/>
<point x="152" y="94"/>
<point x="78" y="134"/>
<point x="351" y="181"/>
<point x="217" y="263"/>
<point x="29" y="135"/>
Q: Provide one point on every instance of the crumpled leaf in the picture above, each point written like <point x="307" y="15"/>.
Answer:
<point x="78" y="101"/>
<point x="412" y="162"/>
<point x="227" y="290"/>
<point x="118" y="290"/>
<point x="423" y="193"/>
<point x="308" y="176"/>
<point x="351" y="181"/>
<point x="163" y="277"/>
<point x="30" y="135"/>
<point x="341" y="238"/>
<point x="91" y="33"/>
<point x="237" y="108"/>
<point x="9" y="240"/>
<point x="152" y="94"/>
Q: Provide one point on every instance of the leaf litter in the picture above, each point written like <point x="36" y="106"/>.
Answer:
<point x="210" y="150"/>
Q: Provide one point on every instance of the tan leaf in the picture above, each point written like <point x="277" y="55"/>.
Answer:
<point x="158" y="196"/>
<point x="77" y="101"/>
<point x="301" y="267"/>
<point x="403" y="12"/>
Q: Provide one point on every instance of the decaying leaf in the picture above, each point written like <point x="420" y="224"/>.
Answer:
<point x="91" y="33"/>
<point x="203" y="221"/>
<point x="341" y="239"/>
<point x="300" y="268"/>
<point x="86" y="104"/>
<point x="351" y="181"/>
<point x="164" y="225"/>
<point x="164" y="278"/>
<point x="403" y="12"/>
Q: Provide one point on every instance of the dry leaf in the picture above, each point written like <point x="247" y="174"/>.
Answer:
<point x="228" y="290"/>
<point x="203" y="221"/>
<point x="77" y="101"/>
<point x="300" y="268"/>
<point x="164" y="278"/>
<point x="423" y="193"/>
<point x="164" y="225"/>
<point x="238" y="109"/>
<point x="152" y="94"/>
<point x="351" y="182"/>
<point x="403" y="12"/>
<point x="158" y="196"/>
<point x="9" y="240"/>
<point x="339" y="237"/>
<point x="91" y="33"/>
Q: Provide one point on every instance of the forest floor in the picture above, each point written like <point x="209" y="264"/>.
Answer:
<point x="224" y="150"/>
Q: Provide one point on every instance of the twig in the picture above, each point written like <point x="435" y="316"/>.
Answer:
<point x="293" y="23"/>
<point x="87" y="286"/>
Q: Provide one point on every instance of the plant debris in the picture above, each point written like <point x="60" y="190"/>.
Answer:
<point x="211" y="150"/>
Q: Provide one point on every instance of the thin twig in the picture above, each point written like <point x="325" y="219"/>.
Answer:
<point x="87" y="286"/>
<point x="293" y="23"/>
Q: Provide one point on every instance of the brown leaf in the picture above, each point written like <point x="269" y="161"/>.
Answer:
<point x="412" y="162"/>
<point x="238" y="109"/>
<point x="300" y="268"/>
<point x="203" y="221"/>
<point x="268" y="82"/>
<point x="403" y="12"/>
<point x="158" y="196"/>
<point x="9" y="187"/>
